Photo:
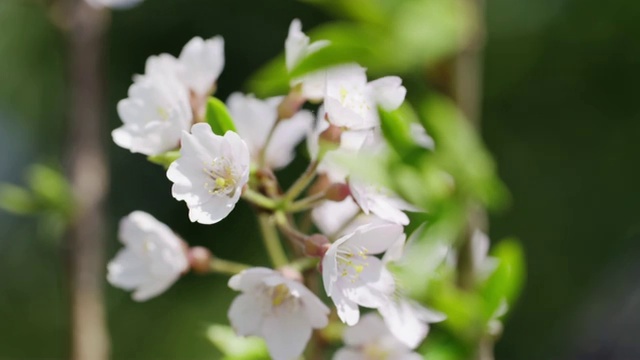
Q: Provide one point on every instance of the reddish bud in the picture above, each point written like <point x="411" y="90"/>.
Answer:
<point x="331" y="135"/>
<point x="316" y="245"/>
<point x="337" y="192"/>
<point x="199" y="259"/>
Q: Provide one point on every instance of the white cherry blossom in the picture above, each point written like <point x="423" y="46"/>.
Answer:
<point x="210" y="173"/>
<point x="151" y="261"/>
<point x="353" y="275"/>
<point x="297" y="47"/>
<point x="153" y="115"/>
<point x="278" y="309"/>
<point x="197" y="68"/>
<point x="371" y="340"/>
<point x="352" y="102"/>
<point x="254" y="118"/>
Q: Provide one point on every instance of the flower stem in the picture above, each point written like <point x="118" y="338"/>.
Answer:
<point x="303" y="181"/>
<point x="221" y="266"/>
<point x="258" y="199"/>
<point x="289" y="230"/>
<point x="272" y="241"/>
<point x="304" y="264"/>
<point x="307" y="203"/>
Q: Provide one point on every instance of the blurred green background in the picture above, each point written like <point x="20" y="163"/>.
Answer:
<point x="559" y="115"/>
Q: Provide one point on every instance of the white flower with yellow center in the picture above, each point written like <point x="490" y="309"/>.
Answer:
<point x="151" y="261"/>
<point x="210" y="173"/>
<point x="153" y="115"/>
<point x="297" y="47"/>
<point x="353" y="275"/>
<point x="278" y="309"/>
<point x="371" y="340"/>
<point x="352" y="102"/>
<point x="254" y="119"/>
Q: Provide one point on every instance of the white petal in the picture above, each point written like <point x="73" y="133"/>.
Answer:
<point x="388" y="92"/>
<point x="153" y="288"/>
<point x="348" y="311"/>
<point x="286" y="335"/>
<point x="317" y="312"/>
<point x="296" y="44"/>
<point x="376" y="238"/>
<point x="331" y="216"/>
<point x="404" y="322"/>
<point x="373" y="286"/>
<point x="348" y="354"/>
<point x="246" y="314"/>
<point x="203" y="61"/>
<point x="248" y="279"/>
<point x="126" y="270"/>
<point x="369" y="329"/>
<point x="253" y="118"/>
<point x="286" y="136"/>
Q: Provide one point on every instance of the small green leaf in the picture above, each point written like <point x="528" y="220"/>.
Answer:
<point x="165" y="159"/>
<point x="396" y="128"/>
<point x="272" y="79"/>
<point x="235" y="347"/>
<point x="506" y="282"/>
<point x="17" y="200"/>
<point x="51" y="189"/>
<point x="218" y="117"/>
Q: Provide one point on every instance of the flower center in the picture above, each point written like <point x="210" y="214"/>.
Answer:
<point x="352" y="262"/>
<point x="223" y="178"/>
<point x="374" y="351"/>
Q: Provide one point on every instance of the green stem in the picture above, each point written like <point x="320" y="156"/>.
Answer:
<point x="262" y="156"/>
<point x="226" y="267"/>
<point x="291" y="232"/>
<point x="303" y="181"/>
<point x="272" y="241"/>
<point x="304" y="264"/>
<point x="306" y="203"/>
<point x="258" y="199"/>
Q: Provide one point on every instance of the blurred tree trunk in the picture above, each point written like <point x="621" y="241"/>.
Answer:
<point x="87" y="169"/>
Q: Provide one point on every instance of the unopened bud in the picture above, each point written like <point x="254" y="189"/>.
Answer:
<point x="290" y="105"/>
<point x="316" y="245"/>
<point x="199" y="259"/>
<point x="331" y="135"/>
<point x="337" y="192"/>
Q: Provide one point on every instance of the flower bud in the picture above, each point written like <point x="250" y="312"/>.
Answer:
<point x="199" y="259"/>
<point x="316" y="245"/>
<point x="331" y="136"/>
<point x="337" y="192"/>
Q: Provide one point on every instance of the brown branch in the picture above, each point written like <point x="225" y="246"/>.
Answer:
<point x="88" y="172"/>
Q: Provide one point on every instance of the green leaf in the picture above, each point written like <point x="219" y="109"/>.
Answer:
<point x="396" y="128"/>
<point x="165" y="159"/>
<point x="506" y="282"/>
<point x="218" y="117"/>
<point x="51" y="189"/>
<point x="17" y="200"/>
<point x="235" y="347"/>
<point x="460" y="152"/>
<point x="271" y="80"/>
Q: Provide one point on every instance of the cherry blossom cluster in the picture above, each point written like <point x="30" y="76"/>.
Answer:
<point x="360" y="223"/>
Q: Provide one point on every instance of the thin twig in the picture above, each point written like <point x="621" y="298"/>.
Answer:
<point x="89" y="174"/>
